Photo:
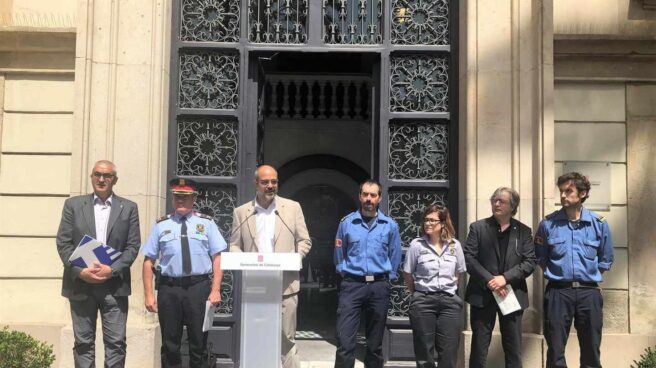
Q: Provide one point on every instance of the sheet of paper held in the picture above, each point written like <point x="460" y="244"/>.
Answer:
<point x="508" y="304"/>
<point x="209" y="316"/>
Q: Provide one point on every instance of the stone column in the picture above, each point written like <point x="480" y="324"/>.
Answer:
<point x="506" y="119"/>
<point x="121" y="109"/>
<point x="641" y="181"/>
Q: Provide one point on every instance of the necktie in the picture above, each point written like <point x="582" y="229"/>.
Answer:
<point x="186" y="253"/>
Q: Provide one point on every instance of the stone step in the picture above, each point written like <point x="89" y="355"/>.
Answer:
<point x="326" y="365"/>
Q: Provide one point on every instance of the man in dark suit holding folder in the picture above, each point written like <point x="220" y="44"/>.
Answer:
<point x="499" y="251"/>
<point x="113" y="221"/>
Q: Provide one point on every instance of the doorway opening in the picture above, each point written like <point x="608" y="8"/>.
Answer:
<point x="317" y="124"/>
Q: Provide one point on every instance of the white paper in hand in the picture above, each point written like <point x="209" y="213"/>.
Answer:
<point x="508" y="304"/>
<point x="209" y="316"/>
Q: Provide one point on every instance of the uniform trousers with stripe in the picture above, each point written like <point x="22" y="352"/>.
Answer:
<point x="180" y="306"/>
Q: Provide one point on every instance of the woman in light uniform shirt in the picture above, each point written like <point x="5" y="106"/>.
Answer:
<point x="431" y="269"/>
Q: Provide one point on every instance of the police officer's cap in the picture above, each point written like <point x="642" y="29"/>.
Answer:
<point x="183" y="186"/>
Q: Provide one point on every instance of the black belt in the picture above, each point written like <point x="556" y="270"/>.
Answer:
<point x="183" y="281"/>
<point x="438" y="292"/>
<point x="572" y="284"/>
<point x="368" y="278"/>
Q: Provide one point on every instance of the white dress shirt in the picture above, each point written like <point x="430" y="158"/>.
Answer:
<point x="265" y="220"/>
<point x="101" y="213"/>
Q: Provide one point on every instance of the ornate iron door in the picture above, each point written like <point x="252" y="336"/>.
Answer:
<point x="214" y="111"/>
<point x="418" y="132"/>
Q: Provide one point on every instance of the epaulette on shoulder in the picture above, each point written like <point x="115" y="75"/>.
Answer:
<point x="345" y="217"/>
<point x="600" y="218"/>
<point x="162" y="218"/>
<point x="202" y="215"/>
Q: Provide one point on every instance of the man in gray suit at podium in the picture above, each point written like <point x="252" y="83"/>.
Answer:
<point x="270" y="223"/>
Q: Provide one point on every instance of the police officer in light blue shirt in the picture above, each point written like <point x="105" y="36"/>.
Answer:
<point x="188" y="246"/>
<point x="367" y="255"/>
<point x="204" y="239"/>
<point x="574" y="247"/>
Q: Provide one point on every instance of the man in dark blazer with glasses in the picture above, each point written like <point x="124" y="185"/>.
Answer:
<point x="499" y="251"/>
<point x="113" y="221"/>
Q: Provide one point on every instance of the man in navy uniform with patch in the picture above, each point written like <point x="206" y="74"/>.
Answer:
<point x="188" y="245"/>
<point x="574" y="247"/>
<point x="367" y="256"/>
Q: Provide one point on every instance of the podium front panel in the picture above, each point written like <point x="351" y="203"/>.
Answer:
<point x="261" y="318"/>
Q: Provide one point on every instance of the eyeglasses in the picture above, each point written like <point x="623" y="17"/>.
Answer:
<point x="99" y="175"/>
<point x="266" y="182"/>
<point x="432" y="222"/>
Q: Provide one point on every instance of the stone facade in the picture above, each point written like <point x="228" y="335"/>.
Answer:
<point x="541" y="83"/>
<point x="37" y="53"/>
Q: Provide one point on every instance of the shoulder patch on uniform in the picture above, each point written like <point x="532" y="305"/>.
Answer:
<point x="202" y="215"/>
<point x="538" y="240"/>
<point x="162" y="218"/>
<point x="601" y="218"/>
<point x="338" y="243"/>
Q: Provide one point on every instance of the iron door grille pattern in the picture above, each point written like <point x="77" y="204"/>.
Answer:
<point x="420" y="22"/>
<point x="219" y="201"/>
<point x="416" y="42"/>
<point x="418" y="150"/>
<point x="209" y="80"/>
<point x="277" y="21"/>
<point x="419" y="132"/>
<point x="419" y="83"/>
<point x="209" y="20"/>
<point x="352" y="22"/>
<point x="207" y="147"/>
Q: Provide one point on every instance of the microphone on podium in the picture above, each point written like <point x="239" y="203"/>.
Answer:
<point x="243" y="222"/>
<point x="288" y="228"/>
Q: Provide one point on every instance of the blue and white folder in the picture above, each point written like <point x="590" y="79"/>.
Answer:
<point x="91" y="250"/>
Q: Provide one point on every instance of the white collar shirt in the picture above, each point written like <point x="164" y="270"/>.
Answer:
<point x="265" y="220"/>
<point x="101" y="211"/>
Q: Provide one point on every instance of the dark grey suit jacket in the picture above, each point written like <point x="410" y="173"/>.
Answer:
<point x="122" y="234"/>
<point x="483" y="260"/>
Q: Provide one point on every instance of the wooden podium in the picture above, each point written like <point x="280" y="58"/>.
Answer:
<point x="261" y="303"/>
